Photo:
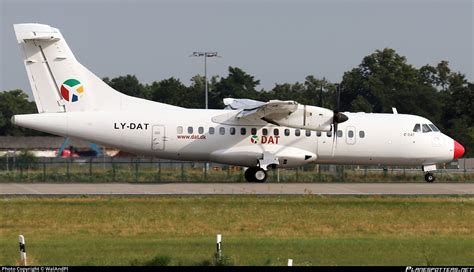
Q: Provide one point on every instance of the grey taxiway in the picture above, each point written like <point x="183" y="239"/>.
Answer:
<point x="237" y="189"/>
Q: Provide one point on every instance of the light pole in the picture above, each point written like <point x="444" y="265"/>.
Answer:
<point x="205" y="55"/>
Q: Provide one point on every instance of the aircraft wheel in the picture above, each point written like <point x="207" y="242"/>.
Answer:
<point x="249" y="174"/>
<point x="255" y="174"/>
<point x="429" y="177"/>
<point x="260" y="175"/>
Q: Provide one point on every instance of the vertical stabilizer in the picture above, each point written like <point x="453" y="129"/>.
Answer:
<point x="58" y="81"/>
<point x="32" y="38"/>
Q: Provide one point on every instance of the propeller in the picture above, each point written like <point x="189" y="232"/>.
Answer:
<point x="321" y="94"/>
<point x="337" y="118"/>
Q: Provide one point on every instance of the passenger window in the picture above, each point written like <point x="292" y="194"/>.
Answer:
<point x="211" y="130"/>
<point x="426" y="128"/>
<point x="243" y="131"/>
<point x="329" y="133"/>
<point x="350" y="134"/>
<point x="201" y="130"/>
<point x="308" y="133"/>
<point x="264" y="131"/>
<point x="190" y="130"/>
<point x="222" y="130"/>
<point x="232" y="131"/>
<point x="276" y="131"/>
<point x="318" y="133"/>
<point x="287" y="132"/>
<point x="361" y="134"/>
<point x="180" y="130"/>
<point x="339" y="133"/>
<point x="297" y="132"/>
<point x="253" y="131"/>
<point x="434" y="128"/>
<point x="417" y="128"/>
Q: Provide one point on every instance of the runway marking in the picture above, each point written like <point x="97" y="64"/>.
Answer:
<point x="237" y="189"/>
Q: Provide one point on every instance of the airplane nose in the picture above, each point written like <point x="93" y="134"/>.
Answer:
<point x="458" y="150"/>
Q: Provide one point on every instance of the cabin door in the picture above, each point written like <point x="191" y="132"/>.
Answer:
<point x="158" y="138"/>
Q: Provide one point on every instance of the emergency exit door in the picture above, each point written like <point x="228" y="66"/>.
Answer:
<point x="158" y="137"/>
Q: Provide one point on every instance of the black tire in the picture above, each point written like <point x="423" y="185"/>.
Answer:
<point x="249" y="174"/>
<point x="255" y="174"/>
<point x="429" y="177"/>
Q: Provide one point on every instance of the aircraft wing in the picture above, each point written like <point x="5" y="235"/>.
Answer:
<point x="268" y="111"/>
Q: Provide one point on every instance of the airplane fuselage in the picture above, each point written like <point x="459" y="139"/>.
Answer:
<point x="194" y="134"/>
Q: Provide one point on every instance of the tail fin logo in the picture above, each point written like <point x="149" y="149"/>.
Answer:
<point x="72" y="90"/>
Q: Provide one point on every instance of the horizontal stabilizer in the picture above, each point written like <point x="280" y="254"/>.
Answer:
<point x="36" y="32"/>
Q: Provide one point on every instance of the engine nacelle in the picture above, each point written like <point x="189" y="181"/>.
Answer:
<point x="308" y="117"/>
<point x="250" y="156"/>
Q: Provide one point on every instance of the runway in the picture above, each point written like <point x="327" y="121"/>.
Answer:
<point x="236" y="189"/>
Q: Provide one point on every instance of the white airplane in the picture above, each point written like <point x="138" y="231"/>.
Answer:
<point x="73" y="102"/>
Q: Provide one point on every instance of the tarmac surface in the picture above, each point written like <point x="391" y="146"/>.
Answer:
<point x="237" y="189"/>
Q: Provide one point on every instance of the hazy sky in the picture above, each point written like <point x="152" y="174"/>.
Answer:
<point x="276" y="41"/>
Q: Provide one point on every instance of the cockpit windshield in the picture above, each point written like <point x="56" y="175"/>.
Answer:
<point x="433" y="127"/>
<point x="425" y="128"/>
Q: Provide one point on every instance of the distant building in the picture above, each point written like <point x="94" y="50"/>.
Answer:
<point x="48" y="146"/>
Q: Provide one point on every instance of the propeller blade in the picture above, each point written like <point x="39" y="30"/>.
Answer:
<point x="321" y="96"/>
<point x="337" y="118"/>
<point x="334" y="136"/>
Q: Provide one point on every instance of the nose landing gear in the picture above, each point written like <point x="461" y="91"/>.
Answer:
<point x="429" y="177"/>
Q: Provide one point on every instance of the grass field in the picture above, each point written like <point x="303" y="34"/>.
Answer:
<point x="257" y="230"/>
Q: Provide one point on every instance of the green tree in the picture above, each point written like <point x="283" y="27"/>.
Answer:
<point x="458" y="111"/>
<point x="314" y="91"/>
<point x="436" y="76"/>
<point x="197" y="90"/>
<point x="11" y="103"/>
<point x="318" y="92"/>
<point x="384" y="80"/>
<point x="238" y="84"/>
<point x="172" y="91"/>
<point x="128" y="85"/>
<point x="286" y="91"/>
<point x="360" y="104"/>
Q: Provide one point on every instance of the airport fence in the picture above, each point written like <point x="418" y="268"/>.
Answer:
<point x="149" y="170"/>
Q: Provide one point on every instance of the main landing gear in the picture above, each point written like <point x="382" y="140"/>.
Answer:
<point x="255" y="174"/>
<point x="259" y="173"/>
